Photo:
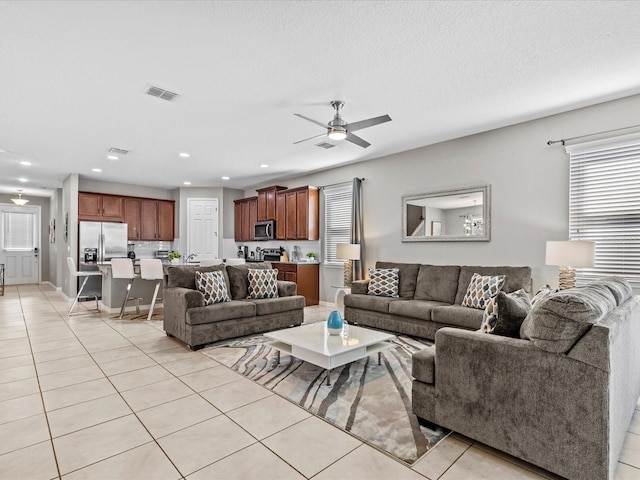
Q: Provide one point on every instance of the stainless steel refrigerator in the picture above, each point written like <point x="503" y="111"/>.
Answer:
<point x="99" y="242"/>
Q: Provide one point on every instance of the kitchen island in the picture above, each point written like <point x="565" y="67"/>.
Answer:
<point x="115" y="289"/>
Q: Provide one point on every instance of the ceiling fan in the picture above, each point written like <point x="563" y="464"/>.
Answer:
<point x="338" y="129"/>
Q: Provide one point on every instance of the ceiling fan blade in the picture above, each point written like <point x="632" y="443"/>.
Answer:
<point x="315" y="136"/>
<point x="370" y="122"/>
<point x="323" y="125"/>
<point x="357" y="140"/>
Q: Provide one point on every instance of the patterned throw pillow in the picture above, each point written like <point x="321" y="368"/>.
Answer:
<point x="263" y="283"/>
<point x="490" y="316"/>
<point x="505" y="313"/>
<point x="384" y="282"/>
<point x="481" y="289"/>
<point x="212" y="286"/>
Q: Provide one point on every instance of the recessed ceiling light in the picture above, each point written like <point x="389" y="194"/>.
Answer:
<point x="23" y="180"/>
<point x="112" y="157"/>
<point x="25" y="163"/>
<point x="184" y="154"/>
<point x="186" y="183"/>
<point x="96" y="170"/>
<point x="225" y="178"/>
<point x="263" y="165"/>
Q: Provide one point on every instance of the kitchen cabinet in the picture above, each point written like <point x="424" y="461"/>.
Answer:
<point x="306" y="276"/>
<point x="132" y="214"/>
<point x="297" y="214"/>
<point x="245" y="216"/>
<point x="156" y="220"/>
<point x="267" y="202"/>
<point x="100" y="207"/>
<point x="166" y="220"/>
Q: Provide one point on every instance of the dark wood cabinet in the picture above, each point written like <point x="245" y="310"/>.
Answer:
<point x="245" y="216"/>
<point x="267" y="202"/>
<point x="166" y="220"/>
<point x="132" y="218"/>
<point x="298" y="209"/>
<point x="306" y="276"/>
<point x="100" y="207"/>
<point x="148" y="220"/>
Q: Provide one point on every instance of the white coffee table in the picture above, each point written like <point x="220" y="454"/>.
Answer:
<point x="313" y="344"/>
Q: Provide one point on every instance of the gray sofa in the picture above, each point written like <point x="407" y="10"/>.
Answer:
<point x="430" y="298"/>
<point x="561" y="397"/>
<point x="187" y="318"/>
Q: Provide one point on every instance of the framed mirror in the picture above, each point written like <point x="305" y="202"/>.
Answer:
<point x="456" y="215"/>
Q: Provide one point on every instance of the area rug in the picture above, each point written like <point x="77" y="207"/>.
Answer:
<point x="370" y="401"/>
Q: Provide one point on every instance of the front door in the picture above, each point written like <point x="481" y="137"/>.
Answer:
<point x="20" y="238"/>
<point x="202" y="235"/>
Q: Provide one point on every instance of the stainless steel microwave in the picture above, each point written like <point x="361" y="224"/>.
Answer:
<point x="265" y="230"/>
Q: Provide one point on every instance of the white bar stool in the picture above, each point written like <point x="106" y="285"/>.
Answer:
<point x="76" y="273"/>
<point x="151" y="269"/>
<point x="123" y="268"/>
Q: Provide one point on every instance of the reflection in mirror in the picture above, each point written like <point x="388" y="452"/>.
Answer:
<point x="450" y="215"/>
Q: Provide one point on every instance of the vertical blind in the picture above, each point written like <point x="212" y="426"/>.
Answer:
<point x="604" y="205"/>
<point x="337" y="219"/>
<point x="18" y="230"/>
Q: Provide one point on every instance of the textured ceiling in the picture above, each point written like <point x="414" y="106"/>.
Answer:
<point x="74" y="76"/>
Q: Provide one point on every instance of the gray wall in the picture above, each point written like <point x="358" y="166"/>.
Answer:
<point x="529" y="188"/>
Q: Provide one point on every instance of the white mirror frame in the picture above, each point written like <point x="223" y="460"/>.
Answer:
<point x="485" y="236"/>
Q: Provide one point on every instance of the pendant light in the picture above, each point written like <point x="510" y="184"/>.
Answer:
<point x="20" y="201"/>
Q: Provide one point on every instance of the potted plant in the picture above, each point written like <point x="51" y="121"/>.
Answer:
<point x="311" y="257"/>
<point x="174" y="257"/>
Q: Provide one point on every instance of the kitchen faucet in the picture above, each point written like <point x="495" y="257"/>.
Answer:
<point x="190" y="257"/>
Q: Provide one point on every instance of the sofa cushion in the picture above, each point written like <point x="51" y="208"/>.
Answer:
<point x="420" y="309"/>
<point x="383" y="282"/>
<point x="543" y="292"/>
<point x="458" y="316"/>
<point x="220" y="311"/>
<point x="558" y="321"/>
<point x="423" y="365"/>
<point x="515" y="278"/>
<point x="238" y="278"/>
<point x="618" y="286"/>
<point x="408" y="275"/>
<point x="263" y="283"/>
<point x="437" y="282"/>
<point x="481" y="289"/>
<point x="213" y="287"/>
<point x="185" y="276"/>
<point x="268" y="306"/>
<point x="369" y="302"/>
<point x="512" y="310"/>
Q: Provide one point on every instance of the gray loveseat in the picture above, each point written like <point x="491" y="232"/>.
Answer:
<point x="560" y="398"/>
<point x="187" y="318"/>
<point x="430" y="298"/>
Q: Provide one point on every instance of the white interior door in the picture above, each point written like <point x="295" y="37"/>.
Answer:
<point x="202" y="234"/>
<point x="20" y="237"/>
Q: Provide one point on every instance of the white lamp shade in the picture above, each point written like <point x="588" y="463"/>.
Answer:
<point x="348" y="251"/>
<point x="571" y="253"/>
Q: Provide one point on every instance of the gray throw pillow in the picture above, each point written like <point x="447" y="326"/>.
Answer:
<point x="513" y="308"/>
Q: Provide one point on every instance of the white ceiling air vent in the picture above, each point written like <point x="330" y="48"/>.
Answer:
<point x="120" y="151"/>
<point x="161" y="93"/>
<point x="325" y="145"/>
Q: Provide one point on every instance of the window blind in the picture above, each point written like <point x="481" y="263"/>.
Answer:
<point x="18" y="231"/>
<point x="604" y="205"/>
<point x="338" y="203"/>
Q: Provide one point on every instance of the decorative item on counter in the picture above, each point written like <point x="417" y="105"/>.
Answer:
<point x="283" y="255"/>
<point x="174" y="257"/>
<point x="311" y="257"/>
<point x="334" y="323"/>
<point x="295" y="255"/>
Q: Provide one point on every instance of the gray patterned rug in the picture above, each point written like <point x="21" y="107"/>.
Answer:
<point x="370" y="401"/>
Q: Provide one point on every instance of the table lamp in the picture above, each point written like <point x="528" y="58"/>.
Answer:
<point x="568" y="255"/>
<point x="348" y="252"/>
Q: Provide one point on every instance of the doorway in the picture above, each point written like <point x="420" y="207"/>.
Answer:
<point x="202" y="232"/>
<point x="20" y="243"/>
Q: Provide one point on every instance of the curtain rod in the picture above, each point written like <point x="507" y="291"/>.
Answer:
<point x="563" y="140"/>
<point x="340" y="183"/>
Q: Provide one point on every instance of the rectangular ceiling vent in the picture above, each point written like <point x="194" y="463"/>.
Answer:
<point x="161" y="93"/>
<point x="325" y="145"/>
<point x="120" y="151"/>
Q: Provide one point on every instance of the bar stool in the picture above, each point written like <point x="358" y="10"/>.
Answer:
<point x="151" y="269"/>
<point x="75" y="273"/>
<point x="123" y="268"/>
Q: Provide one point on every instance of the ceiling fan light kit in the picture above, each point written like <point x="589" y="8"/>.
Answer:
<point x="338" y="129"/>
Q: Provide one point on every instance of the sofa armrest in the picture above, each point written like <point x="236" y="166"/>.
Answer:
<point x="183" y="298"/>
<point x="360" y="287"/>
<point x="287" y="289"/>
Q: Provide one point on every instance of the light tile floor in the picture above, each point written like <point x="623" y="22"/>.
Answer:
<point x="93" y="397"/>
